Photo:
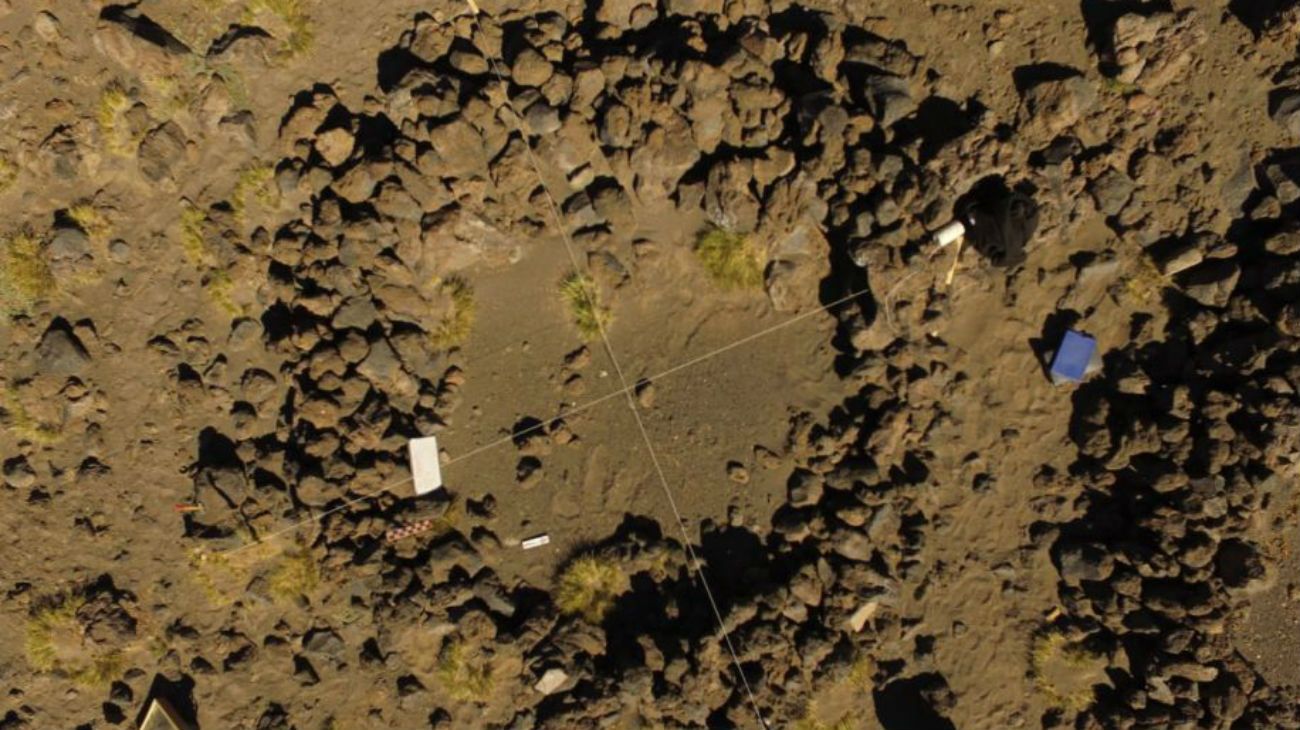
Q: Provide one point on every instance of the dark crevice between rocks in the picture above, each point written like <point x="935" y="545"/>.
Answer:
<point x="1259" y="15"/>
<point x="910" y="704"/>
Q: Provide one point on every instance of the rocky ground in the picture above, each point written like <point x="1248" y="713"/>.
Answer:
<point x="255" y="246"/>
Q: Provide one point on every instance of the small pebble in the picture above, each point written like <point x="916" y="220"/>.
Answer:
<point x="645" y="395"/>
<point x="737" y="473"/>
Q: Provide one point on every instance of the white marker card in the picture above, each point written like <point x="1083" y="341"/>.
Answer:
<point x="535" y="542"/>
<point x="426" y="469"/>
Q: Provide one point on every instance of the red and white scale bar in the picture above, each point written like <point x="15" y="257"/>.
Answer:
<point x="415" y="528"/>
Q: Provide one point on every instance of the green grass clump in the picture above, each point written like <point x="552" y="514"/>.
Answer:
<point x="113" y="103"/>
<point x="461" y="674"/>
<point x="25" y="278"/>
<point x="730" y="259"/>
<point x="456" y="324"/>
<point x="1064" y="670"/>
<point x="589" y="586"/>
<point x="56" y="643"/>
<point x="579" y="294"/>
<point x="296" y="35"/>
<point x="254" y="183"/>
<point x="297" y="574"/>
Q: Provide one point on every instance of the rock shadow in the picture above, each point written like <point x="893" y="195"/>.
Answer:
<point x="909" y="704"/>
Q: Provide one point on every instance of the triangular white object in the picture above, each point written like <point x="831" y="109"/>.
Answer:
<point x="426" y="469"/>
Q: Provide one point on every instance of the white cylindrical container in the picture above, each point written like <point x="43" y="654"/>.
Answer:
<point x="949" y="233"/>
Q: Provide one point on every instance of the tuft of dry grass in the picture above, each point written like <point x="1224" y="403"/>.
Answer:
<point x="589" y="585"/>
<point x="113" y="103"/>
<point x="580" y="296"/>
<point x="730" y="259"/>
<point x="56" y="643"/>
<point x="217" y="282"/>
<point x="463" y="674"/>
<point x="236" y="85"/>
<point x="224" y="576"/>
<point x="296" y="574"/>
<point x="456" y="324"/>
<point x="192" y="221"/>
<point x="8" y="173"/>
<point x="1062" y="670"/>
<point x="23" y="424"/>
<point x="1144" y="282"/>
<point x="25" y="278"/>
<point x="221" y="288"/>
<point x="90" y="220"/>
<point x="295" y="31"/>
<point x="174" y="94"/>
<point x="254" y="183"/>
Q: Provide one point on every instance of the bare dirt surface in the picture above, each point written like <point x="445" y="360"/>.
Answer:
<point x="251" y="248"/>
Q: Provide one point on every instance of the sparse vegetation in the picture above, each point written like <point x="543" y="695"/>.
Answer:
<point x="23" y="424"/>
<point x="730" y="259"/>
<point x="580" y="296"/>
<point x="456" y="324"/>
<point x="192" y="221"/>
<point x="8" y="173"/>
<point x="254" y="183"/>
<point x="589" y="585"/>
<point x="1064" y="671"/>
<point x="463" y="674"/>
<point x="172" y="94"/>
<point x="1144" y="282"/>
<point x="90" y="220"/>
<point x="113" y="103"/>
<point x="25" y="278"/>
<point x="810" y="722"/>
<point x="1115" y="86"/>
<point x="297" y="574"/>
<point x="289" y="22"/>
<point x="224" y="576"/>
<point x="217" y="282"/>
<point x="448" y="521"/>
<point x="56" y="642"/>
<point x="236" y="86"/>
<point x="221" y="288"/>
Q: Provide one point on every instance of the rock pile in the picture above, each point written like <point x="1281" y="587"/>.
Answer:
<point x="1178" y="457"/>
<point x="805" y="132"/>
<point x="432" y="177"/>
